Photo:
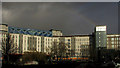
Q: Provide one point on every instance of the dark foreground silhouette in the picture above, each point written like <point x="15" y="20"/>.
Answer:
<point x="62" y="65"/>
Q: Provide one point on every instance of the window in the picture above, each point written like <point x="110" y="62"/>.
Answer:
<point x="112" y="46"/>
<point x="99" y="45"/>
<point x="112" y="42"/>
<point x="112" y="38"/>
<point x="68" y="43"/>
<point x="68" y="39"/>
<point x="107" y="42"/>
<point x="69" y="46"/>
<point x="68" y="50"/>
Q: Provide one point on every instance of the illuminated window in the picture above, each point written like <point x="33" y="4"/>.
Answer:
<point x="112" y="46"/>
<point x="112" y="42"/>
<point x="117" y="38"/>
<point x="107" y="38"/>
<point x="112" y="38"/>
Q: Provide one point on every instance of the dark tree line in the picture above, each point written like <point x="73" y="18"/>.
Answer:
<point x="34" y="56"/>
<point x="58" y="49"/>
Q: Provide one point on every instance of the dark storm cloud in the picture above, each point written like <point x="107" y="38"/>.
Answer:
<point x="71" y="18"/>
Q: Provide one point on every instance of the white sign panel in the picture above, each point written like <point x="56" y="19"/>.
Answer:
<point x="101" y="28"/>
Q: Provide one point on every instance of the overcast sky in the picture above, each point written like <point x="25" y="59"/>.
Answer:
<point x="71" y="18"/>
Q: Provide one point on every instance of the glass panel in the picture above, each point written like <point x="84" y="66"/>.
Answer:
<point x="112" y="38"/>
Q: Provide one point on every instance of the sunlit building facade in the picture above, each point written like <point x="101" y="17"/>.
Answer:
<point x="113" y="41"/>
<point x="80" y="46"/>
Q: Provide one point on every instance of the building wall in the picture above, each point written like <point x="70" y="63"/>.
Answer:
<point x="31" y="43"/>
<point x="3" y="37"/>
<point x="47" y="44"/>
<point x="3" y="34"/>
<point x="14" y="39"/>
<point x="100" y="42"/>
<point x="3" y="27"/>
<point x="56" y="33"/>
<point x="82" y="46"/>
<point x="78" y="46"/>
<point x="113" y="42"/>
<point x="100" y="36"/>
<point x="67" y="41"/>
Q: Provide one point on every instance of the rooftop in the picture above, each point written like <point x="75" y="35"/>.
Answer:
<point x="29" y="31"/>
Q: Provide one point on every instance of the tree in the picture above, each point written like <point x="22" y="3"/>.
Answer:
<point x="58" y="49"/>
<point x="8" y="47"/>
<point x="34" y="56"/>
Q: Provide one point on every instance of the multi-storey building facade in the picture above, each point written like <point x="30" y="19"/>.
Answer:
<point x="31" y="43"/>
<point x="14" y="39"/>
<point x="100" y="36"/>
<point x="81" y="46"/>
<point x="26" y="40"/>
<point x="77" y="45"/>
<point x="113" y="41"/>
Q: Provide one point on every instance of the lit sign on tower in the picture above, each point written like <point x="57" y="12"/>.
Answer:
<point x="101" y="28"/>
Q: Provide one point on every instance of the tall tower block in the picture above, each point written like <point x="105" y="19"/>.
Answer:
<point x="100" y="37"/>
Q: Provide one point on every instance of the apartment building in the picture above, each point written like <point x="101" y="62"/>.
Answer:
<point x="3" y="34"/>
<point x="81" y="46"/>
<point x="77" y="45"/>
<point x="113" y="41"/>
